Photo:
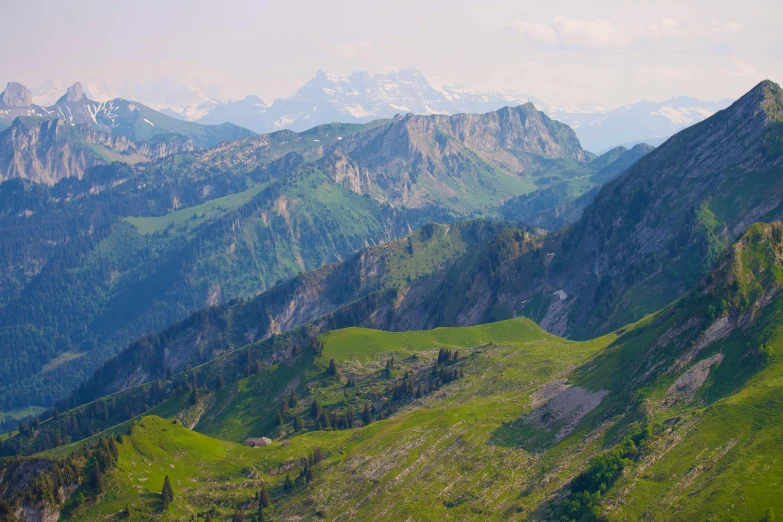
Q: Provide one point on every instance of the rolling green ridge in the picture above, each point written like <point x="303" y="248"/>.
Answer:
<point x="532" y="416"/>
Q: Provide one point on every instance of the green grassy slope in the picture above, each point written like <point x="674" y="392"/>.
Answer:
<point x="181" y="220"/>
<point x="697" y="384"/>
<point x="205" y="473"/>
<point x="503" y="363"/>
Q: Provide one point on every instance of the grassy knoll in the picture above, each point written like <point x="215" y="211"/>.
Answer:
<point x="445" y="442"/>
<point x="180" y="220"/>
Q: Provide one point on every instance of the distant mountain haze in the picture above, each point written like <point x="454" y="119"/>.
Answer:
<point x="362" y="97"/>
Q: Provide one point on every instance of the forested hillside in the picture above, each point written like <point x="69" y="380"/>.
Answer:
<point x="91" y="264"/>
<point x="362" y="409"/>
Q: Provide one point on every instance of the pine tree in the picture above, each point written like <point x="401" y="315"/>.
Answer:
<point x="288" y="482"/>
<point x="332" y="370"/>
<point x="315" y="409"/>
<point x="260" y="514"/>
<point x="263" y="497"/>
<point x="298" y="423"/>
<point x="318" y="456"/>
<point x="366" y="415"/>
<point x="96" y="481"/>
<point x="113" y="448"/>
<point x="167" y="494"/>
<point x="220" y="382"/>
<point x="294" y="400"/>
<point x="349" y="416"/>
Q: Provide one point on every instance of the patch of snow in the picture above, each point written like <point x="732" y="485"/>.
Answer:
<point x="682" y="117"/>
<point x="357" y="111"/>
<point x="148" y="121"/>
<point x="399" y="107"/>
<point x="284" y="122"/>
<point x="561" y="294"/>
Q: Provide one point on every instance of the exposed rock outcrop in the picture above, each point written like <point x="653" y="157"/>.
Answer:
<point x="15" y="96"/>
<point x="50" y="150"/>
<point x="75" y="93"/>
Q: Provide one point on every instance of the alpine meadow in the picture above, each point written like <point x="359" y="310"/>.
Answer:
<point x="387" y="296"/>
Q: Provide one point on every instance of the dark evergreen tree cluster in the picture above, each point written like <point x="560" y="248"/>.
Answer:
<point x="590" y="486"/>
<point x="446" y="355"/>
<point x="71" y="425"/>
<point x="89" y="465"/>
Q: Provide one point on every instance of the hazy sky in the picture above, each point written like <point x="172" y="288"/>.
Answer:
<point x="609" y="52"/>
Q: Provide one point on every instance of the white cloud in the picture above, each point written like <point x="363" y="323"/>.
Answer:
<point x="724" y="27"/>
<point x="572" y="33"/>
<point x="600" y="34"/>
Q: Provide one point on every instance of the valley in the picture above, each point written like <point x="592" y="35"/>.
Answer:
<point x="421" y="317"/>
<point x="430" y="428"/>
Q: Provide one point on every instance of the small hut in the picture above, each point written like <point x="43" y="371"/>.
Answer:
<point x="258" y="441"/>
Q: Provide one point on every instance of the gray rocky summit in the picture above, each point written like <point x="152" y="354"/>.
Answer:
<point x="74" y="93"/>
<point x="15" y="96"/>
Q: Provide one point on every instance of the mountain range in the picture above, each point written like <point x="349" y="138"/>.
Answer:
<point x="362" y="97"/>
<point x="128" y="250"/>
<point x="620" y="365"/>
<point x="579" y="281"/>
<point x="45" y="144"/>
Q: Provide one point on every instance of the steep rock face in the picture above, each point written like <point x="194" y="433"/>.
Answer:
<point x="466" y="163"/>
<point x="343" y="170"/>
<point x="75" y="93"/>
<point x="18" y="477"/>
<point x="15" y="96"/>
<point x="416" y="161"/>
<point x="50" y="150"/>
<point x="148" y="134"/>
<point x="162" y="149"/>
<point x="34" y="152"/>
<point x="655" y="230"/>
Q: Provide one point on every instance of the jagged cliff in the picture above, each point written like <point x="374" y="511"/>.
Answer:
<point x="49" y="150"/>
<point x="416" y="161"/>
